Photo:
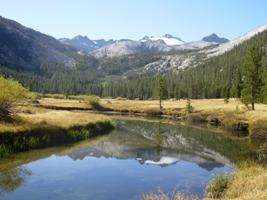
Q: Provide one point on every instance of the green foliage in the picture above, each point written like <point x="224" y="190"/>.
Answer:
<point x="49" y="136"/>
<point x="252" y="82"/>
<point x="12" y="179"/>
<point x="78" y="135"/>
<point x="34" y="95"/>
<point x="216" y="77"/>
<point x="264" y="79"/>
<point x="10" y="93"/>
<point x="217" y="187"/>
<point x="92" y="100"/>
<point x="161" y="90"/>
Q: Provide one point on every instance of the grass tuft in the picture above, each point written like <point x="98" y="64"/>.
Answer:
<point x="217" y="187"/>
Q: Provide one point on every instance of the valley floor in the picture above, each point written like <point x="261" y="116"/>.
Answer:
<point x="33" y="128"/>
<point x="249" y="182"/>
<point x="233" y="116"/>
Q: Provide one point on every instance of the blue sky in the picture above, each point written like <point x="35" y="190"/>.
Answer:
<point x="133" y="19"/>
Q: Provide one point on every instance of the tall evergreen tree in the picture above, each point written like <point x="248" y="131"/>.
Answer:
<point x="161" y="90"/>
<point x="251" y="73"/>
<point x="264" y="88"/>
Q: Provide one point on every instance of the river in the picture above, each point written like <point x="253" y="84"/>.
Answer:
<point x="139" y="156"/>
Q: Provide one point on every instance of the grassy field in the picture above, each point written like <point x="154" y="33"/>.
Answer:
<point x="33" y="127"/>
<point x="234" y="116"/>
<point x="28" y="117"/>
<point x="248" y="182"/>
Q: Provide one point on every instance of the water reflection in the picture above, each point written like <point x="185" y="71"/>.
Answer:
<point x="137" y="157"/>
<point x="13" y="178"/>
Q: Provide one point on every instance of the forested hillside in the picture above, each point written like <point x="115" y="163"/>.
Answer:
<point x="43" y="64"/>
<point x="218" y="77"/>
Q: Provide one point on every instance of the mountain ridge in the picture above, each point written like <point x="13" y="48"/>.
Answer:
<point x="111" y="48"/>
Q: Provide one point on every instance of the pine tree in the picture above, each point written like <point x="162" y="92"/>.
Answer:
<point x="251" y="72"/>
<point x="264" y="88"/>
<point x="161" y="90"/>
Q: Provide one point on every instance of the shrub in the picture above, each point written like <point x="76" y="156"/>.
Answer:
<point x="258" y="129"/>
<point x="189" y="107"/>
<point x="34" y="96"/>
<point x="92" y="100"/>
<point x="10" y="93"/>
<point x="217" y="187"/>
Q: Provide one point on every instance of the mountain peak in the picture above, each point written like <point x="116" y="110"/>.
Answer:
<point x="168" y="36"/>
<point x="80" y="37"/>
<point x="215" y="38"/>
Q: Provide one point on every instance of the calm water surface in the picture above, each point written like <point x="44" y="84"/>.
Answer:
<point x="137" y="157"/>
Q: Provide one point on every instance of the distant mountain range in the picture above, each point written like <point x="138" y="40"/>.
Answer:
<point x="85" y="61"/>
<point x="85" y="44"/>
<point x="166" y="43"/>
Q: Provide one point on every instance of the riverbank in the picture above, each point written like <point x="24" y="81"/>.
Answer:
<point x="248" y="182"/>
<point x="232" y="116"/>
<point x="61" y="121"/>
<point x="32" y="128"/>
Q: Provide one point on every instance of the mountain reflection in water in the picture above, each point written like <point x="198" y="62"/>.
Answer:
<point x="137" y="157"/>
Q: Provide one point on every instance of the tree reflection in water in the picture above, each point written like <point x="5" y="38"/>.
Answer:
<point x="13" y="178"/>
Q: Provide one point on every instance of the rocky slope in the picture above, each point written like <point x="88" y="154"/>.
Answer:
<point x="84" y="44"/>
<point x="25" y="48"/>
<point x="22" y="47"/>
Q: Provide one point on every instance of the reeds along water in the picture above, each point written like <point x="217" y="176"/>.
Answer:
<point x="49" y="136"/>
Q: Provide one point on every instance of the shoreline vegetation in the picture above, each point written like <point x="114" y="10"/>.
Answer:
<point x="249" y="180"/>
<point x="40" y="128"/>
<point x="232" y="116"/>
<point x="41" y="121"/>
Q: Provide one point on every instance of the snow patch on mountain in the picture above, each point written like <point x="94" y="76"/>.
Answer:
<point x="168" y="41"/>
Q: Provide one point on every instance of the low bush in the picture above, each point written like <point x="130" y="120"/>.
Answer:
<point x="34" y="96"/>
<point x="217" y="187"/>
<point x="92" y="100"/>
<point x="258" y="129"/>
<point x="10" y="93"/>
<point x="189" y="107"/>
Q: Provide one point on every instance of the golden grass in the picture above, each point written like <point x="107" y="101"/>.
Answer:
<point x="30" y="117"/>
<point x="249" y="182"/>
<point x="62" y="119"/>
<point x="233" y="115"/>
<point x="230" y="115"/>
<point x="200" y="105"/>
<point x="63" y="103"/>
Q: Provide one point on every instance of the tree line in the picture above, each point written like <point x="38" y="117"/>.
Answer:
<point x="223" y="76"/>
